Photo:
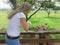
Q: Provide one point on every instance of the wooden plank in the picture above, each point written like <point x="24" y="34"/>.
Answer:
<point x="40" y="40"/>
<point x="36" y="40"/>
<point x="38" y="32"/>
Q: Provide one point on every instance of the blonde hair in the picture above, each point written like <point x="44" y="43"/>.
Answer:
<point x="25" y="7"/>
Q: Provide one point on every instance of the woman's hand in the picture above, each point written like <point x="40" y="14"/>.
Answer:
<point x="29" y="23"/>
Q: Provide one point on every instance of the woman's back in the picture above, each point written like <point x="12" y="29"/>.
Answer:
<point x="14" y="24"/>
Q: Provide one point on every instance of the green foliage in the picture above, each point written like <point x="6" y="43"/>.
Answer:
<point x="21" y="1"/>
<point x="58" y="0"/>
<point x="31" y="1"/>
<point x="56" y="8"/>
<point x="47" y="4"/>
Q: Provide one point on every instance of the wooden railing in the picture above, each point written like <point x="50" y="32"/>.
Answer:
<point x="46" y="40"/>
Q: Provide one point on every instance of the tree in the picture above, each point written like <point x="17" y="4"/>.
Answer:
<point x="47" y="5"/>
<point x="56" y="8"/>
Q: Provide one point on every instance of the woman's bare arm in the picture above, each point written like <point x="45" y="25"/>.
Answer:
<point x="24" y="24"/>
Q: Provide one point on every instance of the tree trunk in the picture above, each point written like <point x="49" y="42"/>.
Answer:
<point x="48" y="13"/>
<point x="14" y="3"/>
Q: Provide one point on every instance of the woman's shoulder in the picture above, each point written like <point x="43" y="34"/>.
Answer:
<point x="21" y="13"/>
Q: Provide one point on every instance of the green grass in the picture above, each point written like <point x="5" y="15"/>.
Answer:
<point x="38" y="19"/>
<point x="41" y="18"/>
<point x="3" y="19"/>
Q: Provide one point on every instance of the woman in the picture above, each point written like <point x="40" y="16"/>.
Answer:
<point x="16" y="19"/>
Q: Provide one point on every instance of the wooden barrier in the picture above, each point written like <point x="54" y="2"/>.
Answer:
<point x="37" y="32"/>
<point x="35" y="40"/>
